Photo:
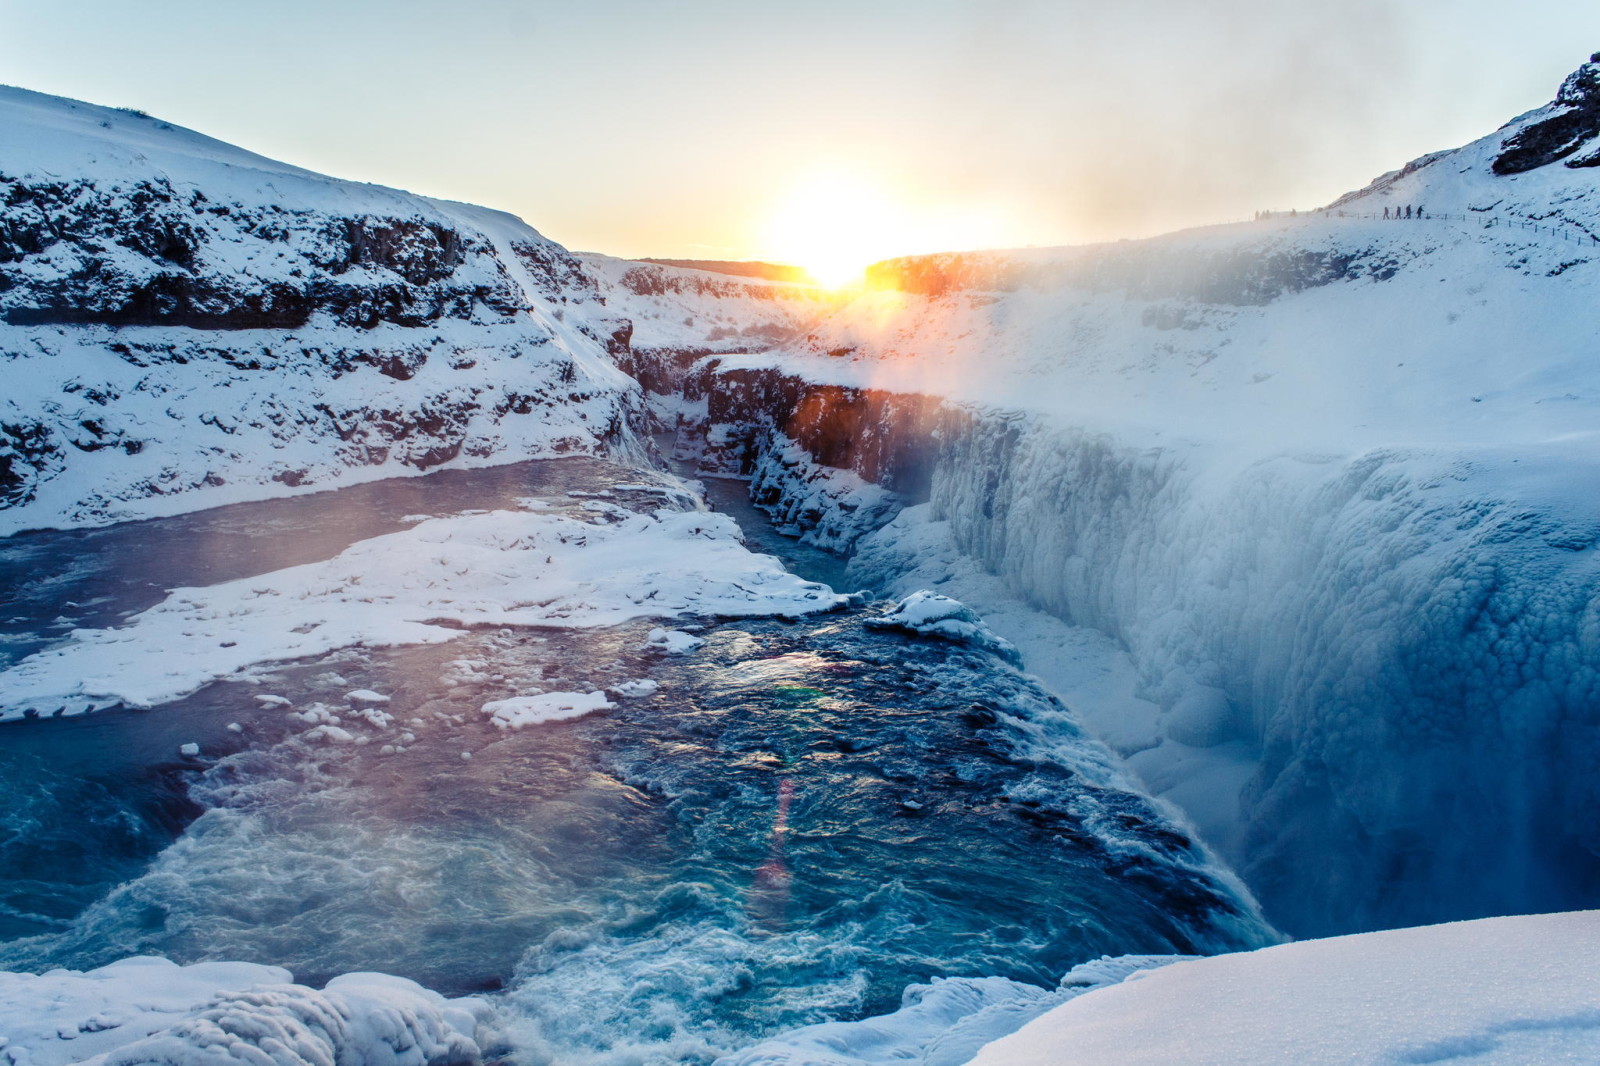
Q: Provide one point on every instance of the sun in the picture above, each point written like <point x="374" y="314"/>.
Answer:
<point x="835" y="224"/>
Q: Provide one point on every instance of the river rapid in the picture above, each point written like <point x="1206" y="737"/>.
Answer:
<point x="787" y="825"/>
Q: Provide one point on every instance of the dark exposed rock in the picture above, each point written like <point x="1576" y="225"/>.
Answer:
<point x="28" y="455"/>
<point x="884" y="437"/>
<point x="1574" y="125"/>
<point x="136" y="256"/>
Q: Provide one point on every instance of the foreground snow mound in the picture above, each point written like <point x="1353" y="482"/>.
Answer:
<point x="929" y="614"/>
<point x="185" y="324"/>
<point x="419" y="586"/>
<point x="942" y="1023"/>
<point x="1494" y="992"/>
<point x="150" y="1010"/>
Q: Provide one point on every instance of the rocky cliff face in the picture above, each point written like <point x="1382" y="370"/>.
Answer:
<point x="678" y="313"/>
<point x="183" y="324"/>
<point x="1569" y="129"/>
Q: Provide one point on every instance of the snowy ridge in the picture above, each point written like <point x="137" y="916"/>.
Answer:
<point x="152" y="278"/>
<point x="682" y="309"/>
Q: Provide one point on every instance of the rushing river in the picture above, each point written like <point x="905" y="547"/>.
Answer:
<point x="799" y="820"/>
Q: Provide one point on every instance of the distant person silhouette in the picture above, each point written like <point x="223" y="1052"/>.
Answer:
<point x="1386" y="212"/>
<point x="1408" y="210"/>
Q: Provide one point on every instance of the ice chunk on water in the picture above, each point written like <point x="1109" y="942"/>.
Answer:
<point x="932" y="615"/>
<point x="144" y="1010"/>
<point x="673" y="641"/>
<point x="544" y="707"/>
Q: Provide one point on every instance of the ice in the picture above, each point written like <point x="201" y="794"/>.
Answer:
<point x="422" y="585"/>
<point x="1501" y="992"/>
<point x="931" y="614"/>
<point x="673" y="641"/>
<point x="150" y="1010"/>
<point x="520" y="711"/>
<point x="637" y="689"/>
<point x="942" y="1023"/>
<point x="189" y="750"/>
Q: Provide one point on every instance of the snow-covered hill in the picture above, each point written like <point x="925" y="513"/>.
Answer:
<point x="184" y="323"/>
<point x="676" y="308"/>
<point x="1327" y="482"/>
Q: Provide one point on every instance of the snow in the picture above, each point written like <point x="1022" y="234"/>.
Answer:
<point x="148" y="1009"/>
<point x="637" y="689"/>
<point x="421" y="585"/>
<point x="942" y="1023"/>
<point x="930" y="614"/>
<point x="673" y="641"/>
<point x="505" y="359"/>
<point x="681" y="308"/>
<point x="1494" y="992"/>
<point x="543" y="707"/>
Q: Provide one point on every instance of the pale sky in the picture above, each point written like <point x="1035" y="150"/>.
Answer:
<point x="714" y="129"/>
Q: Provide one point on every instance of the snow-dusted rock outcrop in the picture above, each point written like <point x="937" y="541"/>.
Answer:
<point x="184" y="323"/>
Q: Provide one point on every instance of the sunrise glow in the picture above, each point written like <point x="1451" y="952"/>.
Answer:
<point x="836" y="222"/>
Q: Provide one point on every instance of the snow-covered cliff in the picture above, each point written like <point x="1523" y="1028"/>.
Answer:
<point x="184" y="323"/>
<point x="1327" y="479"/>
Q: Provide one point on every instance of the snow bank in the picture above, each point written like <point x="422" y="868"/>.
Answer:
<point x="930" y="614"/>
<point x="942" y="1023"/>
<point x="420" y="585"/>
<point x="149" y="1010"/>
<point x="1495" y="992"/>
